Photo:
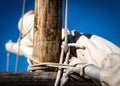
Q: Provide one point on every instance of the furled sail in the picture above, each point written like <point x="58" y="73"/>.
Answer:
<point x="96" y="48"/>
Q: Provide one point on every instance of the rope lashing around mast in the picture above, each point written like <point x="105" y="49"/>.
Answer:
<point x="65" y="50"/>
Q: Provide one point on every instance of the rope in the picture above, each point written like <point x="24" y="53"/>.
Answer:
<point x="7" y="63"/>
<point x="65" y="45"/>
<point x="48" y="64"/>
<point x="20" y="36"/>
<point x="66" y="21"/>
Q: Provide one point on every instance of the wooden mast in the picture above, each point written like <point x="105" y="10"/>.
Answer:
<point x="47" y="30"/>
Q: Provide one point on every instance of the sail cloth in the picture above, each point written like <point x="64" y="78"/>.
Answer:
<point x="26" y="44"/>
<point x="96" y="48"/>
<point x="110" y="74"/>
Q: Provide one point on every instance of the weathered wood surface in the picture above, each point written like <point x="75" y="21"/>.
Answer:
<point x="47" y="30"/>
<point x="35" y="78"/>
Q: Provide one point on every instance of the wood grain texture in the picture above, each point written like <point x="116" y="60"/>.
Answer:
<point x="36" y="78"/>
<point x="47" y="30"/>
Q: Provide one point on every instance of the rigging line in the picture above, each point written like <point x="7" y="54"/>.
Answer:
<point x="57" y="81"/>
<point x="7" y="63"/>
<point x="8" y="60"/>
<point x="66" y="20"/>
<point x="20" y="36"/>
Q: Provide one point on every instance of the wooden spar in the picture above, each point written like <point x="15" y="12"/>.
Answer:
<point x="38" y="79"/>
<point x="47" y="30"/>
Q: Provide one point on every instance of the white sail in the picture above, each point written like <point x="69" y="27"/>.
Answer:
<point x="96" y="47"/>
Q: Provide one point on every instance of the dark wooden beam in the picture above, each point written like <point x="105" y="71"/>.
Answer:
<point x="36" y="78"/>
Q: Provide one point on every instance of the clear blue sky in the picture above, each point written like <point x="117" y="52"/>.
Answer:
<point x="100" y="17"/>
